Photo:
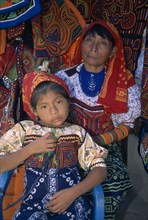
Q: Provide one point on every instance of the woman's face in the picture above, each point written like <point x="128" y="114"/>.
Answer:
<point x="95" y="52"/>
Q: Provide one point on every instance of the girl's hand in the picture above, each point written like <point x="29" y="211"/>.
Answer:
<point x="44" y="144"/>
<point x="61" y="200"/>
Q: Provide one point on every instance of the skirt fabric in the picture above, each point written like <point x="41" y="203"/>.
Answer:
<point x="34" y="206"/>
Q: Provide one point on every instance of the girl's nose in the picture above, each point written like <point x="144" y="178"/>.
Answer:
<point x="53" y="110"/>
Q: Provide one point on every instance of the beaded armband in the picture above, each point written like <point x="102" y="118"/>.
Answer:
<point x="117" y="134"/>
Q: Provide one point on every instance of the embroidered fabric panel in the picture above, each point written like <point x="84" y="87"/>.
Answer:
<point x="66" y="154"/>
<point x="8" y="6"/>
<point x="89" y="117"/>
<point x="19" y="15"/>
<point x="58" y="18"/>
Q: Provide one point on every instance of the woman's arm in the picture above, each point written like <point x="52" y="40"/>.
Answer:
<point x="120" y="132"/>
<point x="123" y="122"/>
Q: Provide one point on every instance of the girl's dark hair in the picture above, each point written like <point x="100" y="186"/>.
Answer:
<point x="101" y="31"/>
<point x="43" y="88"/>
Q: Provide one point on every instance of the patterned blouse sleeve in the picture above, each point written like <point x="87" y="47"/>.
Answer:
<point x="134" y="108"/>
<point x="91" y="155"/>
<point x="62" y="74"/>
<point x="12" y="140"/>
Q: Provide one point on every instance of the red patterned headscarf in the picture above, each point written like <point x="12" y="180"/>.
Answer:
<point x="31" y="81"/>
<point x="113" y="93"/>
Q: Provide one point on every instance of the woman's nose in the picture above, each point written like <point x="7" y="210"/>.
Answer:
<point x="94" y="47"/>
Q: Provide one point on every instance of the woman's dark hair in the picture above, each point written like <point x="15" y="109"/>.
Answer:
<point x="101" y="31"/>
<point x="43" y="88"/>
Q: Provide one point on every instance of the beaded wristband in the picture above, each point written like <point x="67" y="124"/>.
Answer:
<point x="107" y="138"/>
<point x="116" y="135"/>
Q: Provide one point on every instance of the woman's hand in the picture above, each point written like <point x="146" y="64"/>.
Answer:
<point x="44" y="144"/>
<point x="61" y="200"/>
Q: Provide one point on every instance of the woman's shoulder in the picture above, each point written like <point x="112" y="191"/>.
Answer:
<point x="70" y="71"/>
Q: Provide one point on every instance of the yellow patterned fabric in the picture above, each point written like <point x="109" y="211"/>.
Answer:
<point x="86" y="150"/>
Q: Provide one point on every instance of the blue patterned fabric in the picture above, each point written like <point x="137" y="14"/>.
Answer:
<point x="34" y="206"/>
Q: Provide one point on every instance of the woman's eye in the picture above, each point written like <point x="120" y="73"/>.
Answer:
<point x="59" y="101"/>
<point x="43" y="107"/>
<point x="88" y="39"/>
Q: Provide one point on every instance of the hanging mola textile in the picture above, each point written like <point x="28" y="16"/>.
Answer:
<point x="13" y="13"/>
<point x="56" y="28"/>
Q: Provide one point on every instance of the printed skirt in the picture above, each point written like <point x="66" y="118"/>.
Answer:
<point x="34" y="206"/>
<point x="117" y="183"/>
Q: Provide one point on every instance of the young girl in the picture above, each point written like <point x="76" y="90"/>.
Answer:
<point x="51" y="150"/>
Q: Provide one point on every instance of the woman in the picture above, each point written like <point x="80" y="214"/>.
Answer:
<point x="105" y="101"/>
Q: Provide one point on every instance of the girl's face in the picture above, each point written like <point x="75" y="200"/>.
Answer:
<point x="52" y="109"/>
<point x="95" y="52"/>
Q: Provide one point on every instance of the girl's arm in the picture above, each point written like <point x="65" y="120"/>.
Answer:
<point x="64" y="198"/>
<point x="96" y="176"/>
<point x="12" y="160"/>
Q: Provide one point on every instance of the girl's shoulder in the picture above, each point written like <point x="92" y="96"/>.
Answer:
<point x="26" y="123"/>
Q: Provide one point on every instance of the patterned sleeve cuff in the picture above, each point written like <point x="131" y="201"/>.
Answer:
<point x="96" y="163"/>
<point x="144" y="154"/>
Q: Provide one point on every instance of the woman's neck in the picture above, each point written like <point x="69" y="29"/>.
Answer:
<point x="93" y="69"/>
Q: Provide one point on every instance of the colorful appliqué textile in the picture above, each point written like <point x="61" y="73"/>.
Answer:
<point x="14" y="17"/>
<point x="12" y="5"/>
<point x="56" y="28"/>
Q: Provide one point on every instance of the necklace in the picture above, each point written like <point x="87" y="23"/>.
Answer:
<point x="91" y="83"/>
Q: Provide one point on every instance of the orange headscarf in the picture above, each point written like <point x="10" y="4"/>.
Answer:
<point x="113" y="93"/>
<point x="31" y="81"/>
